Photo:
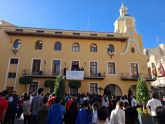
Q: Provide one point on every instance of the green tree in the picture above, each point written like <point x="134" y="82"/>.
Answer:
<point x="59" y="87"/>
<point x="142" y="95"/>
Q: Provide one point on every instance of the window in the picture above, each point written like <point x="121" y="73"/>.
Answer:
<point x="93" y="88"/>
<point x="134" y="70"/>
<point x="57" y="46"/>
<point x="56" y="67"/>
<point x="40" y="31"/>
<point x="132" y="50"/>
<point x="58" y="33"/>
<point x="11" y="75"/>
<point x="75" y="47"/>
<point x="76" y="34"/>
<point x="93" y="48"/>
<point x="19" y="30"/>
<point x="111" y="68"/>
<point x="73" y="91"/>
<point x="93" y="68"/>
<point x="36" y="67"/>
<point x="33" y="87"/>
<point x="38" y="45"/>
<point x="17" y="44"/>
<point x="93" y="35"/>
<point x="110" y="48"/>
<point x="13" y="61"/>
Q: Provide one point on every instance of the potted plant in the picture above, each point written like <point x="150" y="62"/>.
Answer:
<point x="142" y="97"/>
<point x="59" y="86"/>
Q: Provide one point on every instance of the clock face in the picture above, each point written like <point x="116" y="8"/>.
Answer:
<point x="17" y="44"/>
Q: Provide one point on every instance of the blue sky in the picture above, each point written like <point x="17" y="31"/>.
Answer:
<point x="91" y="15"/>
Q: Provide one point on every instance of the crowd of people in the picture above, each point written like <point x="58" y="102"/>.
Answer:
<point x="40" y="108"/>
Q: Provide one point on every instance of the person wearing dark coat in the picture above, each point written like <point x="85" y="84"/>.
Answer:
<point x="71" y="114"/>
<point x="131" y="114"/>
<point x="43" y="112"/>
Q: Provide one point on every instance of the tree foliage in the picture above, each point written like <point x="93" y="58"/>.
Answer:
<point x="142" y="94"/>
<point x="59" y="87"/>
<point x="25" y="80"/>
<point x="49" y="83"/>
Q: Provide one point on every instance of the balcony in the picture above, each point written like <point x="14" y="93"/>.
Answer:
<point x="39" y="74"/>
<point x="128" y="76"/>
<point x="98" y="76"/>
<point x="70" y="74"/>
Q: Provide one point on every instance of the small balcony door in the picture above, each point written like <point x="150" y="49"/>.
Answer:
<point x="75" y="66"/>
<point x="56" y="67"/>
<point x="93" y="68"/>
<point x="134" y="70"/>
<point x="36" y="66"/>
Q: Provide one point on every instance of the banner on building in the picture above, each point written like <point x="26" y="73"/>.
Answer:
<point x="75" y="75"/>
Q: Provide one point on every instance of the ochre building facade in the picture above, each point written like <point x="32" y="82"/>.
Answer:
<point x="96" y="60"/>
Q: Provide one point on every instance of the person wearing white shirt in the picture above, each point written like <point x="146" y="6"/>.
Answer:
<point x="95" y="106"/>
<point x="133" y="102"/>
<point x="118" y="115"/>
<point x="105" y="101"/>
<point x="152" y="104"/>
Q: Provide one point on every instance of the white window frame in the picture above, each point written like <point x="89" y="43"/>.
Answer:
<point x="130" y="67"/>
<point x="97" y="67"/>
<point x="51" y="73"/>
<point x="32" y="64"/>
<point x="93" y="83"/>
<point x="115" y="68"/>
<point x="71" y="64"/>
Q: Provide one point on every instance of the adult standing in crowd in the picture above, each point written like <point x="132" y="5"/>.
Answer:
<point x="71" y="114"/>
<point x="85" y="115"/>
<point x="131" y="114"/>
<point x="118" y="115"/>
<point x="160" y="111"/>
<point x="13" y="107"/>
<point x="3" y="105"/>
<point x="95" y="107"/>
<point x="102" y="114"/>
<point x="36" y="104"/>
<point x="26" y="110"/>
<point x="56" y="112"/>
<point x="43" y="111"/>
<point x="152" y="104"/>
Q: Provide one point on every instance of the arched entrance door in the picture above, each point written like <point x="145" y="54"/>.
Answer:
<point x="132" y="90"/>
<point x="113" y="89"/>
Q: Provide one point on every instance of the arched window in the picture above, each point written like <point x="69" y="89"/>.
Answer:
<point x="38" y="45"/>
<point x="76" y="47"/>
<point x="93" y="48"/>
<point x="17" y="44"/>
<point x="57" y="46"/>
<point x="110" y="48"/>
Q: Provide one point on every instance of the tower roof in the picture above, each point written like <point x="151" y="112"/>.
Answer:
<point x="123" y="10"/>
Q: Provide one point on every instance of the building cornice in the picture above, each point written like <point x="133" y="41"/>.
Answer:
<point x="51" y="35"/>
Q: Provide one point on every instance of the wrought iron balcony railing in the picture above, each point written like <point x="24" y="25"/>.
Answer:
<point x="129" y="76"/>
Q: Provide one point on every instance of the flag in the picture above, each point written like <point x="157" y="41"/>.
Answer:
<point x="154" y="71"/>
<point x="161" y="70"/>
